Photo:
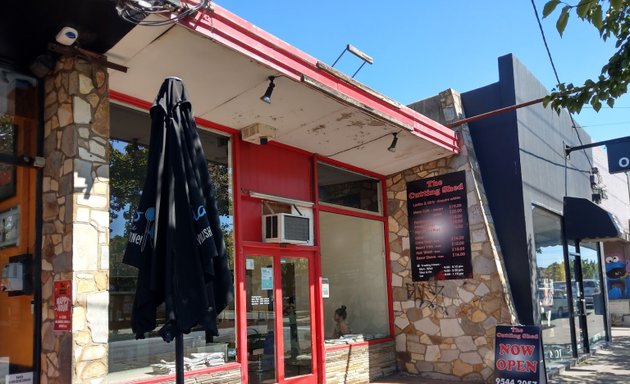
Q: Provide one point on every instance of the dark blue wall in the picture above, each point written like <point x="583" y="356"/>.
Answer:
<point x="496" y="144"/>
<point x="523" y="165"/>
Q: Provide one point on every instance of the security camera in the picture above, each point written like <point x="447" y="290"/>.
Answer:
<point x="67" y="36"/>
<point x="264" y="140"/>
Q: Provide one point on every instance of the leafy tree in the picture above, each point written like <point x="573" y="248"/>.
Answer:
<point x="127" y="172"/>
<point x="590" y="269"/>
<point x="611" y="18"/>
<point x="128" y="169"/>
<point x="554" y="271"/>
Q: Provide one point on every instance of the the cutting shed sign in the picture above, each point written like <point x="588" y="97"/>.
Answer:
<point x="517" y="354"/>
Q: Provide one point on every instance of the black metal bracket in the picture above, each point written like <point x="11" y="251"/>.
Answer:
<point x="23" y="160"/>
<point x="569" y="149"/>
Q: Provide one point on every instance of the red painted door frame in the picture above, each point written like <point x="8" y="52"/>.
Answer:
<point x="277" y="252"/>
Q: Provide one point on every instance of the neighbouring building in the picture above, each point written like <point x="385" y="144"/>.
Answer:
<point x="616" y="190"/>
<point x="540" y="200"/>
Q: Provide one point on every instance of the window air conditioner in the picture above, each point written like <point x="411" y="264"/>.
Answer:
<point x="286" y="228"/>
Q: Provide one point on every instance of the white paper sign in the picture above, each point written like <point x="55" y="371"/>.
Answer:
<point x="249" y="264"/>
<point x="20" y="378"/>
<point x="325" y="288"/>
<point x="266" y="278"/>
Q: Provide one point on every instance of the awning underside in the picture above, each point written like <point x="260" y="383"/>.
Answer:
<point x="225" y="87"/>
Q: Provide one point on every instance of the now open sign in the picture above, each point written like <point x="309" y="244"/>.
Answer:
<point x="619" y="155"/>
<point x="517" y="354"/>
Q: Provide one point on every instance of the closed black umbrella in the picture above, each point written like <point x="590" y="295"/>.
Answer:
<point x="176" y="241"/>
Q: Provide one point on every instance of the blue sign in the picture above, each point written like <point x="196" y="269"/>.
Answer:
<point x="619" y="156"/>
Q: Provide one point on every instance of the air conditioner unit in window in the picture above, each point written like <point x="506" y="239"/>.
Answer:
<point x="286" y="228"/>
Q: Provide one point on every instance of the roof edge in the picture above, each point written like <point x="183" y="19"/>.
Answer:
<point x="228" y="29"/>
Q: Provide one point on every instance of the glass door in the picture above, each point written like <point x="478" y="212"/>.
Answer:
<point x="261" y="320"/>
<point x="577" y="300"/>
<point x="593" y="294"/>
<point x="279" y="294"/>
<point x="296" y="317"/>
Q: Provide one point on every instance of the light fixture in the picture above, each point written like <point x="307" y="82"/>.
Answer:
<point x="392" y="146"/>
<point x="267" y="96"/>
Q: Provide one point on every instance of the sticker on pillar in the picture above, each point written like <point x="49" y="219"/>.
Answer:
<point x="63" y="305"/>
<point x="517" y="354"/>
<point x="266" y="279"/>
<point x="325" y="288"/>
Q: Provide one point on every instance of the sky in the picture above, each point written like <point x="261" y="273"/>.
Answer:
<point x="422" y="47"/>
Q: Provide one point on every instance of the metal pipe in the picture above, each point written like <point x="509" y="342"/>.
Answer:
<point x="492" y="113"/>
<point x="179" y="358"/>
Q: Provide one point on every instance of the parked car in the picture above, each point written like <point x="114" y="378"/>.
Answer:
<point x="553" y="303"/>
<point x="560" y="305"/>
<point x="591" y="289"/>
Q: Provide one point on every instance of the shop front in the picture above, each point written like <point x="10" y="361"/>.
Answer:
<point x="306" y="236"/>
<point x="301" y="193"/>
<point x="363" y="237"/>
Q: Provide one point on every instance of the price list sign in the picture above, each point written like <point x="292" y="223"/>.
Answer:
<point x="438" y="228"/>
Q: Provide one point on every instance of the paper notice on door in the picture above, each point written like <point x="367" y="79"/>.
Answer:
<point x="325" y="288"/>
<point x="21" y="378"/>
<point x="266" y="279"/>
<point x="249" y="264"/>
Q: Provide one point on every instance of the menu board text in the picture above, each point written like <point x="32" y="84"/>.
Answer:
<point x="438" y="228"/>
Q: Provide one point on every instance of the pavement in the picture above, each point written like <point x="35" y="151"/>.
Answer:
<point x="610" y="365"/>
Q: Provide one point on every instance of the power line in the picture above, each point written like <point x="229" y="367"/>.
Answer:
<point x="605" y="124"/>
<point x="606" y="107"/>
<point x="555" y="72"/>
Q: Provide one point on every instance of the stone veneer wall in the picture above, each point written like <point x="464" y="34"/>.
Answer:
<point x="360" y="363"/>
<point x="445" y="329"/>
<point x="75" y="233"/>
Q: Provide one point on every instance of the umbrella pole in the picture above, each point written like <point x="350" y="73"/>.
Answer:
<point x="179" y="358"/>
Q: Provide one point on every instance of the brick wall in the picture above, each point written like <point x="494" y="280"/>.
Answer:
<point x="360" y="363"/>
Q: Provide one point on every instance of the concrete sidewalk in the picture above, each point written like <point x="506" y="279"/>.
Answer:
<point x="610" y="365"/>
<point x="607" y="365"/>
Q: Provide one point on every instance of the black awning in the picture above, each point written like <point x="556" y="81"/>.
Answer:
<point x="584" y="219"/>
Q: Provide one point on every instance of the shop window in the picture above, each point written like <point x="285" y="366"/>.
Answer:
<point x="552" y="287"/>
<point x="353" y="267"/>
<point x="131" y="359"/>
<point x="18" y="136"/>
<point x="348" y="189"/>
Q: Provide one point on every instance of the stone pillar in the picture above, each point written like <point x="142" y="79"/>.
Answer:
<point x="75" y="233"/>
<point x="445" y="329"/>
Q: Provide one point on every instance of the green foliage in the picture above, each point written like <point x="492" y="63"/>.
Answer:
<point x="128" y="167"/>
<point x="615" y="75"/>
<point x="127" y="171"/>
<point x="590" y="269"/>
<point x="554" y="271"/>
